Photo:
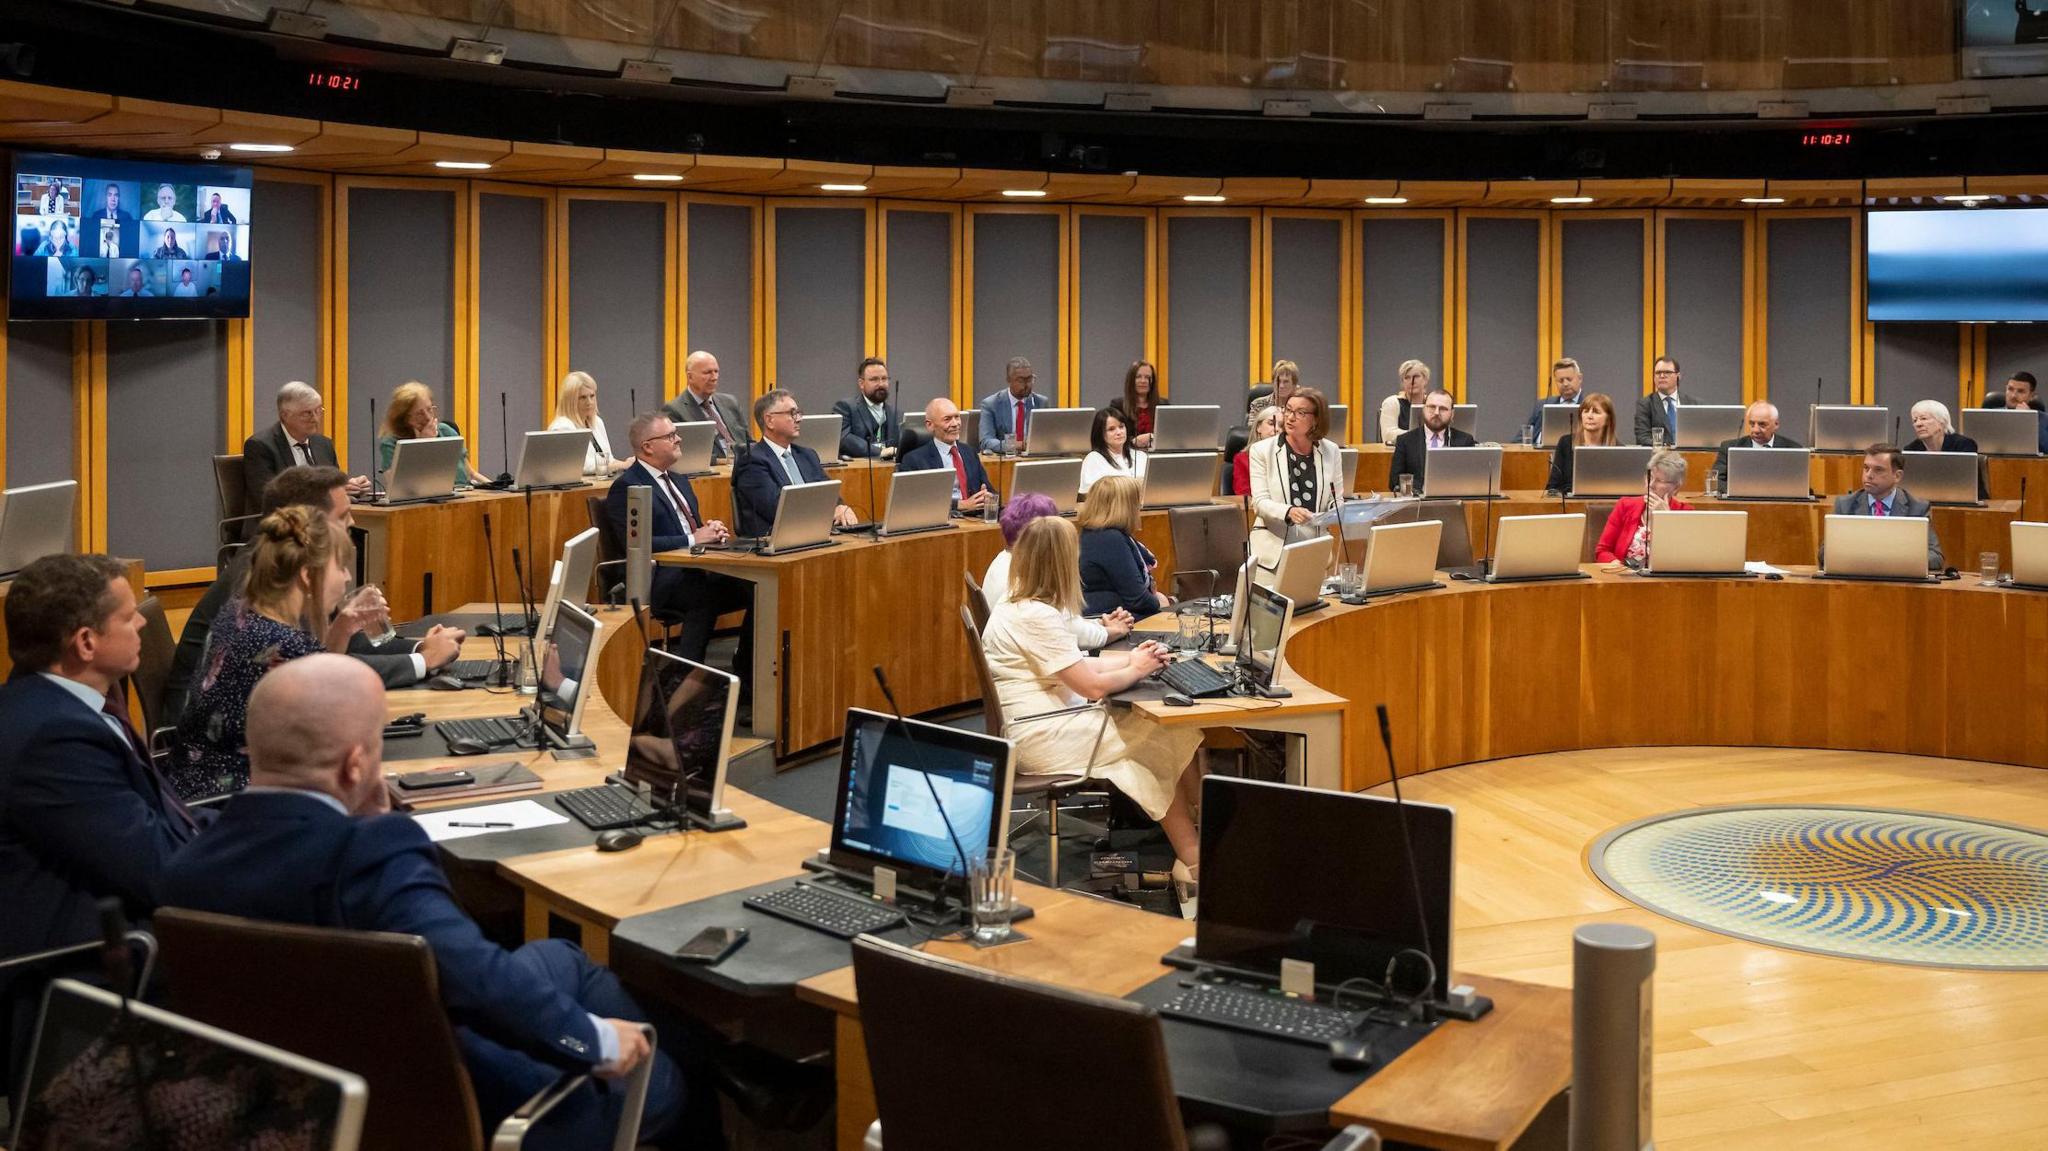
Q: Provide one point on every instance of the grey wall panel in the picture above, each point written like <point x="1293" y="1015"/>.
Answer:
<point x="2013" y="348"/>
<point x="1016" y="299"/>
<point x="1401" y="302"/>
<point x="1916" y="362"/>
<point x="1811" y="277"/>
<point x="1503" y="279"/>
<point x="512" y="303"/>
<point x="401" y="301"/>
<point x="1603" y="304"/>
<point x="616" y="323"/>
<point x="1703" y="309"/>
<point x="820" y="304"/>
<point x="1112" y="304"/>
<point x="1308" y="285"/>
<point x="285" y="296"/>
<point x="919" y="309"/>
<point x="40" y="408"/>
<point x="1208" y="308"/>
<point x="719" y="272"/>
<point x="167" y="383"/>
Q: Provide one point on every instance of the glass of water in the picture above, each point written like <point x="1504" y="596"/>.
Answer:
<point x="1987" y="569"/>
<point x="991" y="883"/>
<point x="1009" y="446"/>
<point x="1406" y="485"/>
<point x="1193" y="621"/>
<point x="1347" y="579"/>
<point x="991" y="508"/>
<point x="1527" y="435"/>
<point x="1656" y="437"/>
<point x="378" y="630"/>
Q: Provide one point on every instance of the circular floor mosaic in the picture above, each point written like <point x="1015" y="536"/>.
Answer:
<point x="1897" y="886"/>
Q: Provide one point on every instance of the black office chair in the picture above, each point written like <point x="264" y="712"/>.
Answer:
<point x="151" y="677"/>
<point x="1596" y="523"/>
<point x="977" y="603"/>
<point x="1234" y="441"/>
<point x="902" y="991"/>
<point x="1206" y="539"/>
<point x="909" y="439"/>
<point x="231" y="501"/>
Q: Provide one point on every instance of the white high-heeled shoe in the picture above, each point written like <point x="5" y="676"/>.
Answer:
<point x="1186" y="886"/>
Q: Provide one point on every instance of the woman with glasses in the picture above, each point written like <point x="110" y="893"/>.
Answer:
<point x="412" y="416"/>
<point x="1294" y="476"/>
<point x="1396" y="410"/>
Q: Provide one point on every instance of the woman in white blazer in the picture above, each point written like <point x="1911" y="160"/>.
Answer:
<point x="1394" y="409"/>
<point x="1294" y="476"/>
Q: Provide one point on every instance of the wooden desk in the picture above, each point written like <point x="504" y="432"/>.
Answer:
<point x="429" y="557"/>
<point x="7" y="658"/>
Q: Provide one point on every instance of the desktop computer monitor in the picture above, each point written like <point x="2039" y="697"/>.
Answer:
<point x="35" y="521"/>
<point x="1269" y="853"/>
<point x="565" y="674"/>
<point x="682" y="733"/>
<point x="1264" y="643"/>
<point x="900" y="783"/>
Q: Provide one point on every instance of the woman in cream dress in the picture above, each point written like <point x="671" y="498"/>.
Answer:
<point x="1038" y="668"/>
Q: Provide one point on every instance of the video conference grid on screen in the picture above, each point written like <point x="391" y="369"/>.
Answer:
<point x="121" y="239"/>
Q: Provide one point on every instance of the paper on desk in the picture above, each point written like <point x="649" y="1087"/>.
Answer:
<point x="520" y="813"/>
<point x="1759" y="567"/>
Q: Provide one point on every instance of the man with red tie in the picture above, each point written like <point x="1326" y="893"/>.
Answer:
<point x="1884" y="466"/>
<point x="1007" y="414"/>
<point x="944" y="450"/>
<point x="84" y="814"/>
<point x="702" y="402"/>
<point x="695" y="597"/>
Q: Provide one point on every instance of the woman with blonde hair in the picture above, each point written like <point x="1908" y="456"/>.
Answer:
<point x="1116" y="570"/>
<point x="1395" y="409"/>
<point x="1596" y="428"/>
<point x="576" y="408"/>
<point x="412" y="416"/>
<point x="1038" y="669"/>
<point x="1286" y="378"/>
<point x="290" y="606"/>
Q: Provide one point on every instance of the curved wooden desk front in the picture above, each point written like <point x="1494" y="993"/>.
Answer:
<point x="1478" y="672"/>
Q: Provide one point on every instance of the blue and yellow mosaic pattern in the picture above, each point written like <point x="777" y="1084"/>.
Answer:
<point x="1896" y="886"/>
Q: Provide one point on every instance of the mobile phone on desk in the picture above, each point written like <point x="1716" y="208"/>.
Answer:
<point x="430" y="780"/>
<point x="712" y="945"/>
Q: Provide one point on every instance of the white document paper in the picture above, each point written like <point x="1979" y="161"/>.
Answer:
<point x="1759" y="567"/>
<point x="518" y="815"/>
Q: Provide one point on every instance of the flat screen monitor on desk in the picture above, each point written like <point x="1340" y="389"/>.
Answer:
<point x="1769" y="474"/>
<point x="1874" y="547"/>
<point x="919" y="501"/>
<point x="1340" y="424"/>
<point x="1538" y="548"/>
<point x="803" y="517"/>
<point x="1264" y="643"/>
<point x="682" y="735"/>
<point x="1709" y="425"/>
<point x="1056" y="480"/>
<point x="886" y="812"/>
<point x="552" y="459"/>
<point x="1559" y="421"/>
<point x="1847" y="427"/>
<point x="1059" y="432"/>
<point x="1608" y="471"/>
<point x="1465" y="418"/>
<point x="1945" y="478"/>
<point x="821" y="431"/>
<point x="35" y="521"/>
<point x="579" y="561"/>
<point x="1697" y="543"/>
<point x="2030" y="555"/>
<point x="694" y="443"/>
<point x="1186" y="427"/>
<point x="1402" y="557"/>
<point x="1180" y="479"/>
<point x="1303" y="566"/>
<point x="423" y="470"/>
<point x="565" y="676"/>
<point x="2003" y="431"/>
<point x="1461" y="473"/>
<point x="1270" y="853"/>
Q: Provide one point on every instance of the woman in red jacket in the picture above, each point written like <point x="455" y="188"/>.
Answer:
<point x="1627" y="538"/>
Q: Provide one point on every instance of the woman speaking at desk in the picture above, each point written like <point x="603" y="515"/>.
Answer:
<point x="1038" y="669"/>
<point x="1294" y="476"/>
<point x="298" y="574"/>
<point x="412" y="416"/>
<point x="1627" y="538"/>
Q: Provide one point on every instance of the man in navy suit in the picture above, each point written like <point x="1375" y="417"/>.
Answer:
<point x="312" y="841"/>
<point x="698" y="597"/>
<point x="943" y="450"/>
<point x="83" y="813"/>
<point x="1883" y="494"/>
<point x="868" y="424"/>
<point x="774" y="462"/>
<point x="1008" y="412"/>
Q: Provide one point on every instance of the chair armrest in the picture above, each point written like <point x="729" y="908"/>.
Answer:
<point x="511" y="1134"/>
<point x="1357" y="1137"/>
<point x="606" y="587"/>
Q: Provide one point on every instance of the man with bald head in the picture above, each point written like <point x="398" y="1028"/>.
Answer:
<point x="944" y="450"/>
<point x="1762" y="423"/>
<point x="702" y="403"/>
<point x="313" y="841"/>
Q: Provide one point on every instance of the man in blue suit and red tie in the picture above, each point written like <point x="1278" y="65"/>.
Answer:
<point x="1008" y="413"/>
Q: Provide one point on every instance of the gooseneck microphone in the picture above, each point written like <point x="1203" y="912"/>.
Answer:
<point x="1407" y="843"/>
<point x="376" y="454"/>
<point x="504" y="441"/>
<point x="917" y="749"/>
<point x="496" y="629"/>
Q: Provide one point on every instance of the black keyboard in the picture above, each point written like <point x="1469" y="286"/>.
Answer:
<point x="496" y="730"/>
<point x="1261" y="1012"/>
<point x="1195" y="679"/>
<point x="821" y="910"/>
<point x="604" y="807"/>
<point x="471" y="669"/>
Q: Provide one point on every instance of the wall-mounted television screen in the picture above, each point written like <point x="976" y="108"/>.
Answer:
<point x="99" y="239"/>
<point x="1967" y="265"/>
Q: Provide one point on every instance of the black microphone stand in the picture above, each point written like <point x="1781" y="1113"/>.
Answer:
<point x="939" y="901"/>
<point x="376" y="455"/>
<point x="502" y="672"/>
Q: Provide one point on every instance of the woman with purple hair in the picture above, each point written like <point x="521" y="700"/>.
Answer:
<point x="1090" y="632"/>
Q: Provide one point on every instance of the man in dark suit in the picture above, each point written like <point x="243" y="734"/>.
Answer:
<point x="401" y="663"/>
<point x="761" y="471"/>
<point x="2022" y="391"/>
<point x="1659" y="409"/>
<point x="1411" y="450"/>
<point x="868" y="424"/>
<point x="1008" y="412"/>
<point x="1884" y="467"/>
<point x="1762" y="422"/>
<point x="698" y="597"/>
<point x="294" y="441"/>
<point x="702" y="403"/>
<point x="312" y="841"/>
<point x="84" y="815"/>
<point x="944" y="450"/>
<point x="216" y="212"/>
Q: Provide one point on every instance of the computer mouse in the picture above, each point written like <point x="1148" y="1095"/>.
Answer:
<point x="1176" y="699"/>
<point x="618" y="839"/>
<point x="465" y="745"/>
<point x="442" y="682"/>
<point x="1350" y="1053"/>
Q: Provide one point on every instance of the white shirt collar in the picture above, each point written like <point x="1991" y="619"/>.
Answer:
<point x="79" y="691"/>
<point x="309" y="793"/>
<point x="288" y="436"/>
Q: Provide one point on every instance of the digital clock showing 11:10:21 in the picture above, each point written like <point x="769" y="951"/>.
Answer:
<point x="329" y="80"/>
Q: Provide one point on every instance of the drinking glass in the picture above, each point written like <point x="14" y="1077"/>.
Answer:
<point x="379" y="630"/>
<point x="991" y="882"/>
<point x="1527" y="435"/>
<point x="1713" y="483"/>
<point x="1193" y="620"/>
<point x="1009" y="446"/>
<point x="991" y="508"/>
<point x="1406" y="485"/>
<point x="1656" y="437"/>
<point x="1348" y="582"/>
<point x="1987" y="569"/>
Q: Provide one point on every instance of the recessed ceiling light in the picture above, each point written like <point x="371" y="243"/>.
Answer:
<point x="1204" y="199"/>
<point x="842" y="187"/>
<point x="1386" y="201"/>
<point x="1973" y="198"/>
<point x="1571" y="199"/>
<point x="259" y="147"/>
<point x="463" y="165"/>
<point x="657" y="177"/>
<point x="1763" y="199"/>
<point x="1024" y="193"/>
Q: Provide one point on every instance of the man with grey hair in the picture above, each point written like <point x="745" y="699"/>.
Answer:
<point x="761" y="471"/>
<point x="702" y="403"/>
<point x="1007" y="414"/>
<point x="1762" y="422"/>
<point x="294" y="441"/>
<point x="1568" y="381"/>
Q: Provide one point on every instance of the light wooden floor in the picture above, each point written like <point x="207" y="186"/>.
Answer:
<point x="1758" y="1047"/>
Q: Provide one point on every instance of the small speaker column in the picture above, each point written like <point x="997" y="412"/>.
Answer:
<point x="1611" y="1015"/>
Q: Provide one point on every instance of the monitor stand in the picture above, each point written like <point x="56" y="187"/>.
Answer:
<point x="920" y="904"/>
<point x="719" y="819"/>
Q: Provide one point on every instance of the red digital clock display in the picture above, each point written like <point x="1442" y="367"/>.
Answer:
<point x="334" y="81"/>
<point x="1826" y="139"/>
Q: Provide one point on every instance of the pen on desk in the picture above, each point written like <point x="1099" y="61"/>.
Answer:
<point x="452" y="823"/>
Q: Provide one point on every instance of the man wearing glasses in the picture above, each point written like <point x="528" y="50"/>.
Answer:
<point x="762" y="470"/>
<point x="1659" y="409"/>
<point x="294" y="441"/>
<point x="1007" y="414"/>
